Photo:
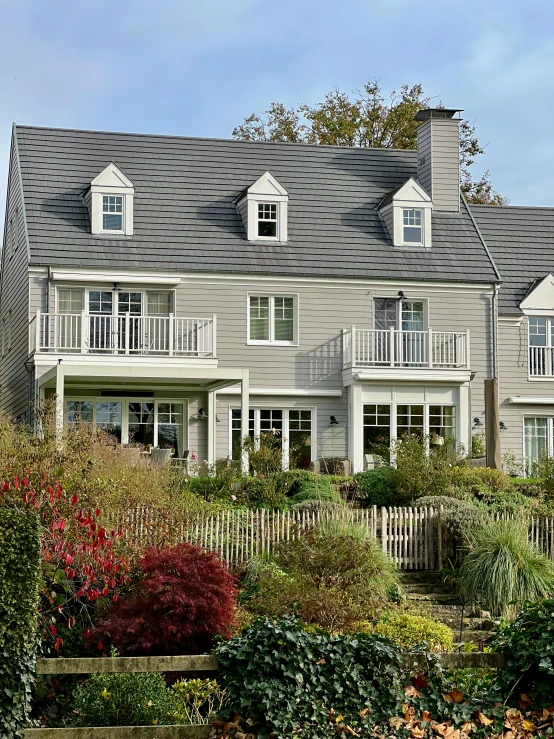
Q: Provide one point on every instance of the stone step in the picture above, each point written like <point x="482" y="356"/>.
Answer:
<point x="439" y="598"/>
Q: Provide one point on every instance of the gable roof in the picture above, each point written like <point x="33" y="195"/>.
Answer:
<point x="185" y="215"/>
<point x="410" y="191"/>
<point x="521" y="241"/>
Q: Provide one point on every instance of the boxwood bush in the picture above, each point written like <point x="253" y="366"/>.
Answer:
<point x="378" y="487"/>
<point x="315" y="487"/>
<point x="19" y="595"/>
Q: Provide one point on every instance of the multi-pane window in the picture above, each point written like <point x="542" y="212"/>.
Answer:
<point x="129" y="303"/>
<point x="112" y="212"/>
<point x="109" y="416"/>
<point x="100" y="302"/>
<point x="376" y="427"/>
<point x="300" y="439"/>
<point x="536" y="441"/>
<point x="411" y="224"/>
<point x="236" y="430"/>
<point x="141" y="423"/>
<point x="267" y="220"/>
<point x="170" y="426"/>
<point x="272" y="319"/>
<point x="442" y="423"/>
<point x="541" y="346"/>
<point x="412" y="315"/>
<point x="271" y="420"/>
<point x="159" y="304"/>
<point x="80" y="411"/>
<point x="71" y="301"/>
<point x="409" y="420"/>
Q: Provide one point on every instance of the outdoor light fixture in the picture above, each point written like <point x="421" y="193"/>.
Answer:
<point x="502" y="426"/>
<point x="476" y="422"/>
<point x="116" y="287"/>
<point x="202" y="414"/>
<point x="333" y="421"/>
<point x="401" y="295"/>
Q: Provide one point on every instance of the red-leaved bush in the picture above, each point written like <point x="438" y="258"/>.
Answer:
<point x="184" y="597"/>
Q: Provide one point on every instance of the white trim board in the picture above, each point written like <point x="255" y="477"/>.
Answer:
<point x="114" y="276"/>
<point x="294" y="392"/>
<point x="526" y="400"/>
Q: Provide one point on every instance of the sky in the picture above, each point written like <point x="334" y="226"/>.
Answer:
<point x="199" y="68"/>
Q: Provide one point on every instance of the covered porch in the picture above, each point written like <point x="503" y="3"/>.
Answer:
<point x="144" y="403"/>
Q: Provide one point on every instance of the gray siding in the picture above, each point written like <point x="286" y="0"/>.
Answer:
<point x="439" y="143"/>
<point x="14" y="303"/>
<point x="514" y="380"/>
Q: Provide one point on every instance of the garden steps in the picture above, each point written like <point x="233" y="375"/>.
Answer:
<point x="426" y="593"/>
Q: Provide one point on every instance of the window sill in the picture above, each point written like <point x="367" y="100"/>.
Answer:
<point x="253" y="342"/>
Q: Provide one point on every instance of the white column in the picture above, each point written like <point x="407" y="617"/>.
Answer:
<point x="245" y="413"/>
<point x="211" y="428"/>
<point x="59" y="403"/>
<point x="355" y="428"/>
<point x="463" y="420"/>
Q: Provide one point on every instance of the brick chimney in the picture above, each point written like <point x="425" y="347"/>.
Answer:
<point x="438" y="156"/>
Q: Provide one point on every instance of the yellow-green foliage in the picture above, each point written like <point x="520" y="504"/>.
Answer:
<point x="408" y="631"/>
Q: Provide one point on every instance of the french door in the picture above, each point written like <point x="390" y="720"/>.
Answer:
<point x="407" y="318"/>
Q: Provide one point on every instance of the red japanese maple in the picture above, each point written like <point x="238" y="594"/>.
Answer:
<point x="77" y="551"/>
<point x="184" y="598"/>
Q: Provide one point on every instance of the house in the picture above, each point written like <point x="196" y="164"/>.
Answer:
<point x="186" y="292"/>
<point x="521" y="242"/>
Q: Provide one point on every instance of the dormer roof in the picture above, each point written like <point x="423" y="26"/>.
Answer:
<point x="410" y="191"/>
<point x="540" y="298"/>
<point x="112" y="176"/>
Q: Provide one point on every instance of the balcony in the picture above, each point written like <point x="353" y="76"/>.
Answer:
<point x="85" y="333"/>
<point x="392" y="349"/>
<point x="541" y="361"/>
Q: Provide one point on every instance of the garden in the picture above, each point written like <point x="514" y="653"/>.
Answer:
<point x="310" y="628"/>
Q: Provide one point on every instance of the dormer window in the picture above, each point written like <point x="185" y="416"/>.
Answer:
<point x="412" y="226"/>
<point x="109" y="200"/>
<point x="263" y="208"/>
<point x="267" y="220"/>
<point x="406" y="213"/>
<point x="112" y="213"/>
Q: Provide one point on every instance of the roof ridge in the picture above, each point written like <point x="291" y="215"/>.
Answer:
<point x="212" y="139"/>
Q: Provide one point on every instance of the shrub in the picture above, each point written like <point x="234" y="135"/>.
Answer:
<point x="316" y="487"/>
<point x="378" y="487"/>
<point x="478" y="448"/>
<point x="315" y="506"/>
<point x="123" y="699"/>
<point x="503" y="567"/>
<point x="184" y="598"/>
<point x="528" y="647"/>
<point x="410" y="631"/>
<point x="197" y="701"/>
<point x="310" y="684"/>
<point x="19" y="598"/>
<point x="333" y="581"/>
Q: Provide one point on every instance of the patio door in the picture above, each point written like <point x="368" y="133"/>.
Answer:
<point x="131" y="303"/>
<point x="101" y="324"/>
<point x="406" y="316"/>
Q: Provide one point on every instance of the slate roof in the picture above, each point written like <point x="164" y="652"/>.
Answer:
<point x="521" y="242"/>
<point x="185" y="217"/>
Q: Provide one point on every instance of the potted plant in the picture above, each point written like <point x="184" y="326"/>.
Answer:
<point x="161" y="455"/>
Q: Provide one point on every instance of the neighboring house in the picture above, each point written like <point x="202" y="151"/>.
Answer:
<point x="521" y="241"/>
<point x="186" y="291"/>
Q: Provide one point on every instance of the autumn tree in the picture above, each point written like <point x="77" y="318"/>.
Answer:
<point x="368" y="119"/>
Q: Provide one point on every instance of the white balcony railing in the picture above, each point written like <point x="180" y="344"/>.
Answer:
<point x="85" y="333"/>
<point x="541" y="361"/>
<point x="393" y="348"/>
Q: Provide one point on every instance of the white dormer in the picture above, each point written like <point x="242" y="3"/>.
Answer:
<point x="539" y="301"/>
<point x="407" y="215"/>
<point x="110" y="203"/>
<point x="264" y="210"/>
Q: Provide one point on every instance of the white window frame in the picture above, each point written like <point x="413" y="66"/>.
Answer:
<point x="268" y="220"/>
<point x="184" y="402"/>
<point x="393" y="405"/>
<point x="548" y="349"/>
<point x="115" y="231"/>
<point x="549" y="436"/>
<point x="257" y="407"/>
<point x="271" y="341"/>
<point x="106" y="287"/>
<point x="421" y="226"/>
<point x="409" y="299"/>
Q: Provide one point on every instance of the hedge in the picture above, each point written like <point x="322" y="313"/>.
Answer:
<point x="20" y="576"/>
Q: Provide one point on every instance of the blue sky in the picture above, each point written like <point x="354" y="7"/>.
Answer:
<point x="198" y="68"/>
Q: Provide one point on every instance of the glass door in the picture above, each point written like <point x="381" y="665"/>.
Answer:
<point x="413" y="337"/>
<point x="71" y="303"/>
<point x="386" y="317"/>
<point x="130" y="303"/>
<point x="157" y="328"/>
<point x="102" y="332"/>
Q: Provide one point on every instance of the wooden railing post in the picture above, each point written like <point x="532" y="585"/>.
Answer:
<point x="83" y="333"/>
<point x="38" y="328"/>
<point x="392" y="347"/>
<point x="127" y="330"/>
<point x="430" y="357"/>
<point x="214" y="335"/>
<point x="170" y="333"/>
<point x="467" y="351"/>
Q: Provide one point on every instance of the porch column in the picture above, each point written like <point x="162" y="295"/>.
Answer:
<point x="244" y="417"/>
<point x="211" y="428"/>
<point x="355" y="428"/>
<point x="59" y="403"/>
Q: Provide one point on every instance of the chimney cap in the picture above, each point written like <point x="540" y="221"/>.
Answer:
<point x="427" y="113"/>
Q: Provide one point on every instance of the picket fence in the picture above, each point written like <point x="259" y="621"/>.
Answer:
<point x="413" y="537"/>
